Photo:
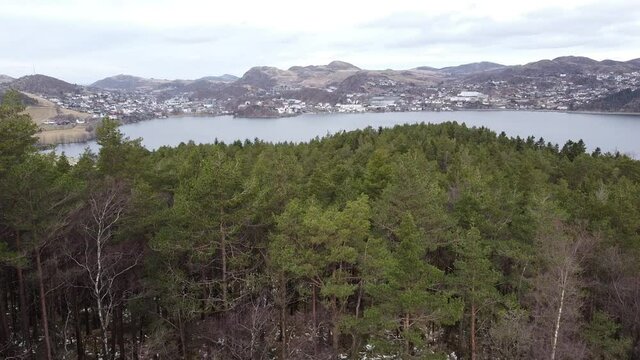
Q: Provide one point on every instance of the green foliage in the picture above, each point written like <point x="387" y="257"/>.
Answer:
<point x="383" y="243"/>
<point x="16" y="131"/>
<point x="603" y="336"/>
<point x="119" y="156"/>
<point x="474" y="278"/>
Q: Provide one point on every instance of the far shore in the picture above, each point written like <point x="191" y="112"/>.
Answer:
<point x="184" y="115"/>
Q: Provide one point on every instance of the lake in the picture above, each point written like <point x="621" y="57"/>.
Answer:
<point x="609" y="132"/>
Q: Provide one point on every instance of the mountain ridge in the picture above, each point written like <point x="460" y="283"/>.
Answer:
<point x="131" y="82"/>
<point x="337" y="76"/>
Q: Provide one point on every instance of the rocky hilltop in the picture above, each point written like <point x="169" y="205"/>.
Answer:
<point x="315" y="76"/>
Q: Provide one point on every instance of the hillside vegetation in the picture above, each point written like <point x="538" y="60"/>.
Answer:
<point x="416" y="242"/>
<point x="622" y="101"/>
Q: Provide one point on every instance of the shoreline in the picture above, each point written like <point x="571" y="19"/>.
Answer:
<point x="363" y="112"/>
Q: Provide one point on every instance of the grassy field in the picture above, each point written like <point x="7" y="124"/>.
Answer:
<point x="63" y="136"/>
<point x="53" y="134"/>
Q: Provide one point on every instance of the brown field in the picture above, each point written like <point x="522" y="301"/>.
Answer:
<point x="52" y="134"/>
<point x="63" y="136"/>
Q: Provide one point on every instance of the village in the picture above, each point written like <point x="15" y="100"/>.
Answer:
<point x="559" y="93"/>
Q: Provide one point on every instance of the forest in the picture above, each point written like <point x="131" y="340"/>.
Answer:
<point x="413" y="242"/>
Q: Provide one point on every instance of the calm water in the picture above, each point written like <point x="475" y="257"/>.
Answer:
<point x="609" y="132"/>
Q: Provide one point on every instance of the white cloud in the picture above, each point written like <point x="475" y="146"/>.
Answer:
<point x="82" y="41"/>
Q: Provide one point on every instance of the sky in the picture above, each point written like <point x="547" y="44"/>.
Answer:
<point x="82" y="41"/>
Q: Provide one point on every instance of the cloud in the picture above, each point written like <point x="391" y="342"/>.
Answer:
<point x="590" y="25"/>
<point x="82" y="41"/>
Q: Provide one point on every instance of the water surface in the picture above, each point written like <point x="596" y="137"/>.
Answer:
<point x="609" y="132"/>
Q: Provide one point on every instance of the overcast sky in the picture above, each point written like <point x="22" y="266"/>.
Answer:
<point x="82" y="41"/>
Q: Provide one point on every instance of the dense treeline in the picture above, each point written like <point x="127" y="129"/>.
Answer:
<point x="417" y="242"/>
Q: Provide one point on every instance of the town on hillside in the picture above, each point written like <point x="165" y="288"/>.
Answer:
<point x="562" y="84"/>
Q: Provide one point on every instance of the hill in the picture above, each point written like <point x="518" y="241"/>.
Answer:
<point x="344" y="77"/>
<point x="623" y="101"/>
<point x="45" y="85"/>
<point x="472" y="68"/>
<point x="567" y="65"/>
<point x="127" y="82"/>
<point x="5" y="79"/>
<point x="427" y="68"/>
<point x="318" y="76"/>
<point x="221" y="78"/>
<point x="634" y="62"/>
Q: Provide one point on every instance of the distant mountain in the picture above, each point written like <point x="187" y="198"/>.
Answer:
<point x="575" y="65"/>
<point x="42" y="84"/>
<point x="623" y="101"/>
<point x="221" y="78"/>
<point x="127" y="82"/>
<point x="472" y="68"/>
<point x="426" y="68"/>
<point x="344" y="77"/>
<point x="634" y="62"/>
<point x="567" y="65"/>
<point x="5" y="79"/>
<point x="379" y="81"/>
<point x="463" y="69"/>
<point x="331" y="82"/>
<point x="264" y="77"/>
<point x="314" y="76"/>
<point x="337" y="65"/>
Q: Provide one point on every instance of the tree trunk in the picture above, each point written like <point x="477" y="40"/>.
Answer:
<point x="76" y="329"/>
<point x="283" y="318"/>
<point x="136" y="343"/>
<point x="4" y="325"/>
<point x="24" y="315"/>
<point x="335" y="332"/>
<point x="98" y="294"/>
<point x="355" y="341"/>
<point x="114" y="334"/>
<point x="563" y="282"/>
<point x="12" y="301"/>
<point x="407" y="344"/>
<point x="183" y="341"/>
<point x="43" y="306"/>
<point x="223" y="251"/>
<point x="315" y="319"/>
<point x="121" y="349"/>
<point x="473" y="331"/>
<point x="87" y="322"/>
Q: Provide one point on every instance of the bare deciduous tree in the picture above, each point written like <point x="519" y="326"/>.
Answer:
<point x="557" y="295"/>
<point x="102" y="262"/>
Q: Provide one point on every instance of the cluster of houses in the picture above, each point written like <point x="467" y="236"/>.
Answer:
<point x="132" y="106"/>
<point x="561" y="92"/>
